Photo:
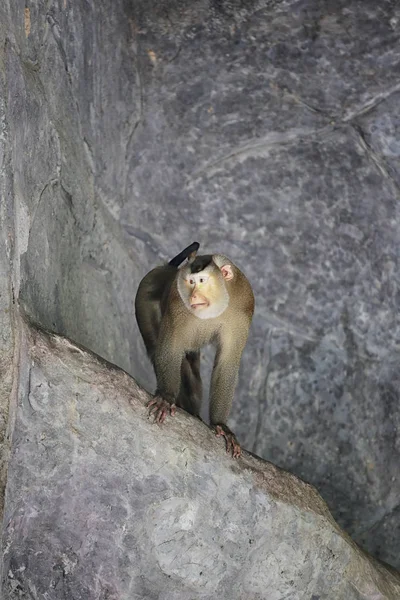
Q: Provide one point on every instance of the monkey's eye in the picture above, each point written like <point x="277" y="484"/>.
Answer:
<point x="202" y="279"/>
<point x="191" y="281"/>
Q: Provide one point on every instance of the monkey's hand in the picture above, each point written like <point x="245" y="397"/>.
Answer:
<point x="160" y="408"/>
<point x="232" y="445"/>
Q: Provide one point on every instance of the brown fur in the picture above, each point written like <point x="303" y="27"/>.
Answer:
<point x="174" y="336"/>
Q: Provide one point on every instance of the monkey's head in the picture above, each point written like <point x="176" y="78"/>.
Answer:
<point x="202" y="285"/>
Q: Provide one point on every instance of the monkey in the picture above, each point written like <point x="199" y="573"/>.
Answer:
<point x="180" y="310"/>
<point x="150" y="303"/>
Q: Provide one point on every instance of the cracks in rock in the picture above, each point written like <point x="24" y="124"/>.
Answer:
<point x="19" y="586"/>
<point x="309" y="107"/>
<point x="275" y="139"/>
<point x="89" y="153"/>
<point x="285" y="325"/>
<point x="64" y="195"/>
<point x="146" y="238"/>
<point x="139" y="101"/>
<point x="119" y="231"/>
<point x="378" y="160"/>
<point x="270" y="141"/>
<point x="67" y="197"/>
<point x="29" y="387"/>
<point x="265" y="354"/>
<point x="351" y="113"/>
<point x="139" y="104"/>
<point x="53" y="181"/>
<point x="175" y="56"/>
<point x="370" y="104"/>
<point x="55" y="29"/>
<point x="128" y="143"/>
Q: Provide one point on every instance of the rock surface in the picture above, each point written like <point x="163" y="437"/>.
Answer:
<point x="266" y="130"/>
<point x="6" y="282"/>
<point x="104" y="504"/>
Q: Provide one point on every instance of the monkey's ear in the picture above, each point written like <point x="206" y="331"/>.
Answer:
<point x="227" y="272"/>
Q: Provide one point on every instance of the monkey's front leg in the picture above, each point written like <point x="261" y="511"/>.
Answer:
<point x="167" y="365"/>
<point x="223" y="383"/>
<point x="161" y="408"/>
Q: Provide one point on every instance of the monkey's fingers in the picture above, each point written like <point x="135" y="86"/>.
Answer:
<point x="237" y="451"/>
<point x="232" y="445"/>
<point x="160" y="409"/>
<point x="164" y="410"/>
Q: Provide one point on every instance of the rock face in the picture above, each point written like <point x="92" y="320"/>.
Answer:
<point x="103" y="503"/>
<point x="6" y="281"/>
<point x="266" y="130"/>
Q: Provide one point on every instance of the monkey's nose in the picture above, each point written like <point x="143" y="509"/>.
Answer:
<point x="197" y="300"/>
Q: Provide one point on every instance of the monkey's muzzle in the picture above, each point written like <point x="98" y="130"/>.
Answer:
<point x="198" y="301"/>
<point x="199" y="306"/>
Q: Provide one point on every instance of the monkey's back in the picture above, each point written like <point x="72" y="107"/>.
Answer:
<point x="152" y="291"/>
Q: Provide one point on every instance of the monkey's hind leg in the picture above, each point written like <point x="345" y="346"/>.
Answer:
<point x="191" y="390"/>
<point x="232" y="445"/>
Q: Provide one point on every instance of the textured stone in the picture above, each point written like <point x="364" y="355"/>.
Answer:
<point x="6" y="283"/>
<point x="103" y="503"/>
<point x="266" y="130"/>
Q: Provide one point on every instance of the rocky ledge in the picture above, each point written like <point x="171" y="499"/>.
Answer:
<point x="101" y="503"/>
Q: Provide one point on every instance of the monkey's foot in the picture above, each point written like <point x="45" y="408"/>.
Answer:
<point x="160" y="409"/>
<point x="232" y="445"/>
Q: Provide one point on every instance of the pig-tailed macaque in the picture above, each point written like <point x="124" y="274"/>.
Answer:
<point x="208" y="300"/>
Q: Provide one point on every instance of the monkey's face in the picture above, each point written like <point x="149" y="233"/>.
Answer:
<point x="204" y="291"/>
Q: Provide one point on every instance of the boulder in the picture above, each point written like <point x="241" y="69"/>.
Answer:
<point x="104" y="504"/>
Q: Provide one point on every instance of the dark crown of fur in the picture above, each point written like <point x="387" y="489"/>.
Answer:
<point x="200" y="263"/>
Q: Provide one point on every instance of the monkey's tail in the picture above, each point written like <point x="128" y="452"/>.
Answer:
<point x="179" y="258"/>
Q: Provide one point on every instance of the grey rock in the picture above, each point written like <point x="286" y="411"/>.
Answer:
<point x="7" y="366"/>
<point x="103" y="503"/>
<point x="266" y="130"/>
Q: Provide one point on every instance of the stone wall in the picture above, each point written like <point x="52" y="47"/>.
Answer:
<point x="268" y="131"/>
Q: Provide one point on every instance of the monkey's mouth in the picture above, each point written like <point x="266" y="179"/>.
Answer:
<point x="199" y="305"/>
